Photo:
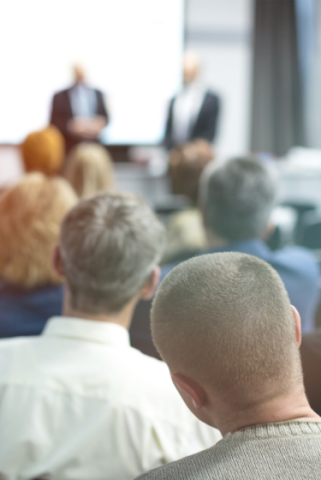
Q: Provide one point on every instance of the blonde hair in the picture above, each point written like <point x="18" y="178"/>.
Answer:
<point x="31" y="213"/>
<point x="225" y="320"/>
<point x="44" y="151"/>
<point x="89" y="169"/>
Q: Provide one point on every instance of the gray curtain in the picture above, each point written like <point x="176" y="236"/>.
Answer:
<point x="277" y="101"/>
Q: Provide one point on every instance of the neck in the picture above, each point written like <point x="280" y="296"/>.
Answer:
<point x="292" y="407"/>
<point x="122" y="318"/>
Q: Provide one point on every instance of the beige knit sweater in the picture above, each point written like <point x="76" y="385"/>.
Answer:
<point x="283" y="451"/>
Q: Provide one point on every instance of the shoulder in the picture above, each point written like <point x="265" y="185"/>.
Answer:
<point x="196" y="466"/>
<point x="212" y="97"/>
<point x="297" y="260"/>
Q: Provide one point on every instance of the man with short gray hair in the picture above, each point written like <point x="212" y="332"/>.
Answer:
<point x="224" y="325"/>
<point x="78" y="402"/>
<point x="237" y="198"/>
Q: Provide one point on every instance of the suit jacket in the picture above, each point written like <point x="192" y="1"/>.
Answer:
<point x="61" y="113"/>
<point x="205" y="126"/>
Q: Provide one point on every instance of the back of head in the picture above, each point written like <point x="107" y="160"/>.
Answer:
<point x="44" y="151"/>
<point x="31" y="213"/>
<point x="110" y="245"/>
<point x="237" y="199"/>
<point x="225" y="321"/>
<point x="186" y="164"/>
<point x="89" y="169"/>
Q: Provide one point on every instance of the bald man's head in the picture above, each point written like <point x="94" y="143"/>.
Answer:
<point x="191" y="67"/>
<point x="225" y="321"/>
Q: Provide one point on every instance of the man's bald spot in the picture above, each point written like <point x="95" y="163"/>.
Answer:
<point x="225" y="319"/>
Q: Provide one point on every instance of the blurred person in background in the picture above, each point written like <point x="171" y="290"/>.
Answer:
<point x="185" y="230"/>
<point x="236" y="199"/>
<point x="44" y="151"/>
<point x="79" y="112"/>
<point x="31" y="213"/>
<point x="89" y="169"/>
<point x="194" y="112"/>
<point x="78" y="402"/>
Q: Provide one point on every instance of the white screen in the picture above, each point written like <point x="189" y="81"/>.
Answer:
<point x="131" y="50"/>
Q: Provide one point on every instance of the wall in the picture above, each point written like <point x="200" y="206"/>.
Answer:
<point x="220" y="31"/>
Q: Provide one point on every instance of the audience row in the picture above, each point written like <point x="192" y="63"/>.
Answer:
<point x="79" y="270"/>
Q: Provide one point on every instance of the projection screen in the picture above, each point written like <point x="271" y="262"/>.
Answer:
<point x="131" y="50"/>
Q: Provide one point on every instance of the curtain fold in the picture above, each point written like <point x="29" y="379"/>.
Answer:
<point x="277" y="122"/>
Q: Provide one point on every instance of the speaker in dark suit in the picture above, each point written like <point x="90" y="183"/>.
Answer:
<point x="79" y="112"/>
<point x="194" y="112"/>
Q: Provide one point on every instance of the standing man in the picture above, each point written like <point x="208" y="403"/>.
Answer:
<point x="79" y="112"/>
<point x="194" y="112"/>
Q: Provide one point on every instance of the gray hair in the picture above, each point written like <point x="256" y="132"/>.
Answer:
<point x="237" y="198"/>
<point x="110" y="245"/>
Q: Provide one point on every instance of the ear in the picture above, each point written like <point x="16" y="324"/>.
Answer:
<point x="57" y="262"/>
<point x="151" y="284"/>
<point x="297" y="321"/>
<point x="192" y="394"/>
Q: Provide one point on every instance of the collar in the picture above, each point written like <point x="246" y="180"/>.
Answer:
<point x="87" y="330"/>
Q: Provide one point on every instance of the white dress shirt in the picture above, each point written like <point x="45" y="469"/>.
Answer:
<point x="78" y="402"/>
<point x="83" y="100"/>
<point x="186" y="109"/>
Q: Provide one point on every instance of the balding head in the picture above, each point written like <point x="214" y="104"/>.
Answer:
<point x="191" y="67"/>
<point x="79" y="73"/>
<point x="224" y="320"/>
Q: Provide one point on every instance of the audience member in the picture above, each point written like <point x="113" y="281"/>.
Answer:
<point x="237" y="199"/>
<point x="311" y="363"/>
<point x="78" y="401"/>
<point x="185" y="231"/>
<point x="31" y="213"/>
<point x="44" y="151"/>
<point x="89" y="169"/>
<point x="224" y="325"/>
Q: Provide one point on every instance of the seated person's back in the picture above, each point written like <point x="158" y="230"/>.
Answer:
<point x="31" y="213"/>
<point x="78" y="401"/>
<point x="236" y="200"/>
<point x="224" y="325"/>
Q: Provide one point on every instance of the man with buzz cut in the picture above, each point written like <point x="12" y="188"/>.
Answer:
<point x="224" y="325"/>
<point x="78" y="402"/>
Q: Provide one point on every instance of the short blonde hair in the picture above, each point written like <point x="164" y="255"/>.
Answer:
<point x="89" y="169"/>
<point x="225" y="320"/>
<point x="44" y="151"/>
<point x="31" y="213"/>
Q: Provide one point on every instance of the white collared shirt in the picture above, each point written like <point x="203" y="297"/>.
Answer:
<point x="83" y="100"/>
<point x="185" y="112"/>
<point x="79" y="403"/>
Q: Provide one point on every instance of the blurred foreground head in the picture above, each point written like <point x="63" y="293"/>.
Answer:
<point x="110" y="245"/>
<point x="186" y="164"/>
<point x="191" y="67"/>
<point x="44" y="151"/>
<point x="31" y="213"/>
<point x="224" y="321"/>
<point x="89" y="169"/>
<point x="237" y="199"/>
